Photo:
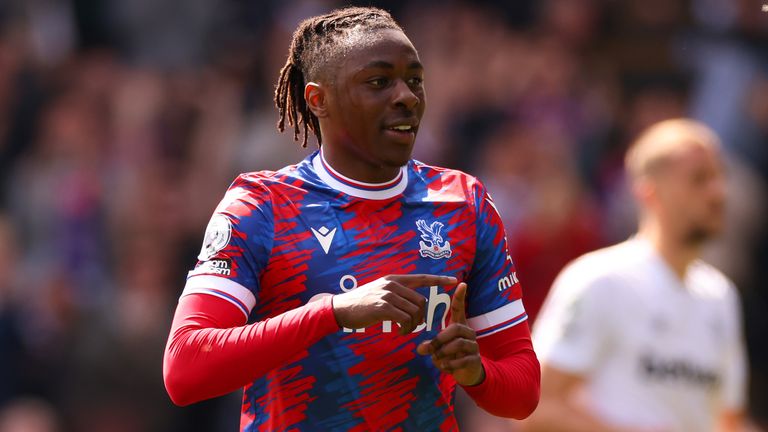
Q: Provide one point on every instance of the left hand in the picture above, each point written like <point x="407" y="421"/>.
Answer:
<point x="454" y="350"/>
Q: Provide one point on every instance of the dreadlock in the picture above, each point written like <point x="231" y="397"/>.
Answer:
<point x="314" y="42"/>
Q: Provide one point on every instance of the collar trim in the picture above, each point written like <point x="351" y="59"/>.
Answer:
<point x="374" y="191"/>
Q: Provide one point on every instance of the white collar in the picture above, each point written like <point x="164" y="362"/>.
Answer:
<point x="373" y="191"/>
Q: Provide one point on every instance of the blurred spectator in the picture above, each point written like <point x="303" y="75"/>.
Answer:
<point x="29" y="415"/>
<point x="12" y="346"/>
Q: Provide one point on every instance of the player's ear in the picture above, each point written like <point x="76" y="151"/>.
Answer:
<point x="644" y="190"/>
<point x="314" y="94"/>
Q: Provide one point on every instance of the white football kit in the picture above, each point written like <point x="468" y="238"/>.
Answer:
<point x="655" y="351"/>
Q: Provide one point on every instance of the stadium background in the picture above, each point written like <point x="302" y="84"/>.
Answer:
<point x="122" y="123"/>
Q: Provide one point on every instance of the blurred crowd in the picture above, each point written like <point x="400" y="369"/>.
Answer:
<point x="122" y="122"/>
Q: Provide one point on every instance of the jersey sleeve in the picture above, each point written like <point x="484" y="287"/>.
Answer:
<point x="495" y="296"/>
<point x="733" y="389"/>
<point x="571" y="330"/>
<point x="236" y="247"/>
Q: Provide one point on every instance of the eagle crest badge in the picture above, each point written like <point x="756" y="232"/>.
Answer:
<point x="432" y="244"/>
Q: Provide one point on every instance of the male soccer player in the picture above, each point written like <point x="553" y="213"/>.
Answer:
<point x="354" y="290"/>
<point x="644" y="336"/>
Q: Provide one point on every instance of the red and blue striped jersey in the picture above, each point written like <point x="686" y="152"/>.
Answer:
<point x="281" y="239"/>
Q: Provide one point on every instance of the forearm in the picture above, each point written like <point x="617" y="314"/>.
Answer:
<point x="203" y="360"/>
<point x="512" y="375"/>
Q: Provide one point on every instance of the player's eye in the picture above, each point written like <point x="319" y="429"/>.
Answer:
<point x="415" y="81"/>
<point x="378" y="82"/>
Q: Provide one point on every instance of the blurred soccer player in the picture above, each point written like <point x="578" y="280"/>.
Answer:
<point x="324" y="288"/>
<point x="644" y="336"/>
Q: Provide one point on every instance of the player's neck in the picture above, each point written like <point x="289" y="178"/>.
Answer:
<point x="357" y="168"/>
<point x="676" y="254"/>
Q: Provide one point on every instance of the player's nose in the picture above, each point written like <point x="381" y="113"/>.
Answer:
<point x="404" y="96"/>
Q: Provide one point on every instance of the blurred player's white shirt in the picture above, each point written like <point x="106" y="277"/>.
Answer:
<point x="656" y="351"/>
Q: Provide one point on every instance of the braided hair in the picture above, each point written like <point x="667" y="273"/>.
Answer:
<point x="314" y="43"/>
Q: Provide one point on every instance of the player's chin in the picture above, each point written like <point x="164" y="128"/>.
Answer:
<point x="703" y="233"/>
<point x="398" y="160"/>
<point x="715" y="224"/>
<point x="397" y="153"/>
<point x="715" y="229"/>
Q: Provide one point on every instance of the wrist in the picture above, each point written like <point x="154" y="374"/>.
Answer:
<point x="481" y="377"/>
<point x="482" y="382"/>
<point x="335" y="311"/>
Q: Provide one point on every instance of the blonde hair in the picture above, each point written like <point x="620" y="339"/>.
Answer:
<point x="660" y="142"/>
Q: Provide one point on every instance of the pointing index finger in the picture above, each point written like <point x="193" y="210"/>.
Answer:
<point x="422" y="280"/>
<point x="458" y="305"/>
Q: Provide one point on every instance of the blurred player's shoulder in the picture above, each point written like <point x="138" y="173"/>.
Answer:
<point x="593" y="286"/>
<point x="632" y="266"/>
<point x="606" y="263"/>
<point x="707" y="281"/>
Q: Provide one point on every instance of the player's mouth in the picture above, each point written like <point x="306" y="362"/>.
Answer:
<point x="402" y="132"/>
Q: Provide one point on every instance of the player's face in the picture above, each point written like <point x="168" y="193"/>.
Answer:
<point x="692" y="194"/>
<point x="377" y="100"/>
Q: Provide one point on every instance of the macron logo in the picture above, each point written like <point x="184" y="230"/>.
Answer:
<point x="324" y="236"/>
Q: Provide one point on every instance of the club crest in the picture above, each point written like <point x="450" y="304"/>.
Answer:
<point x="432" y="244"/>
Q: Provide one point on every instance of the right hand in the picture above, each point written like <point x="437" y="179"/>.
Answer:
<point x="390" y="298"/>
